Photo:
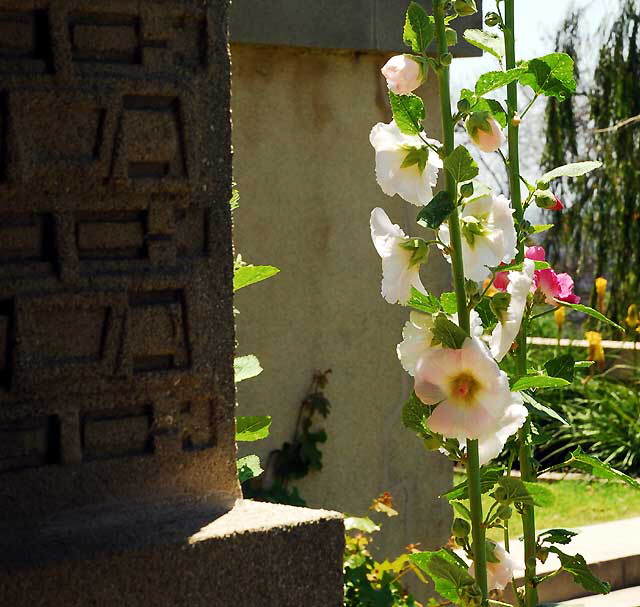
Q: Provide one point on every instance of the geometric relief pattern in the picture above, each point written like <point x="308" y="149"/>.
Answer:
<point x="108" y="195"/>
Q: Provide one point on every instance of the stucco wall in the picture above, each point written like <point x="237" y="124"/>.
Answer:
<point x="304" y="168"/>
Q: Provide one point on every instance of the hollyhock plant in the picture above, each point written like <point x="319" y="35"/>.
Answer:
<point x="471" y="392"/>
<point x="508" y="325"/>
<point x="463" y="404"/>
<point x="400" y="265"/>
<point x="403" y="74"/>
<point x="395" y="171"/>
<point x="489" y="236"/>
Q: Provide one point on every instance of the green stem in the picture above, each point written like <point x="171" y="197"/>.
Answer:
<point x="525" y="456"/>
<point x="473" y="462"/>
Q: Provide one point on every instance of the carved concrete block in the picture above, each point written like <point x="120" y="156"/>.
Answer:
<point x="116" y="324"/>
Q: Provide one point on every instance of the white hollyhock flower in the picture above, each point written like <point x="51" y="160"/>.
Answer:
<point x="400" y="271"/>
<point x="471" y="392"/>
<point x="491" y="444"/>
<point x="508" y="325"/>
<point x="416" y="339"/>
<point x="413" y="178"/>
<point x="500" y="574"/>
<point x="488" y="235"/>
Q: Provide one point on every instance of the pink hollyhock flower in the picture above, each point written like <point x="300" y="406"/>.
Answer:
<point x="403" y="74"/>
<point x="535" y="253"/>
<point x="471" y="393"/>
<point x="555" y="286"/>
<point x="485" y="132"/>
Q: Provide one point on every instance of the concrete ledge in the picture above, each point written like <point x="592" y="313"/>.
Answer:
<point x="629" y="597"/>
<point x="612" y="552"/>
<point x="175" y="553"/>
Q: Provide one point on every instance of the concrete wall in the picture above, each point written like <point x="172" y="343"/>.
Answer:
<point x="305" y="171"/>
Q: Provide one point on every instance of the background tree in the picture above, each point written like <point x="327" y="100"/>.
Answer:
<point x="599" y="234"/>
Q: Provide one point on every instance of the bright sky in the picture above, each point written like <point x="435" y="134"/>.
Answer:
<point x="536" y="24"/>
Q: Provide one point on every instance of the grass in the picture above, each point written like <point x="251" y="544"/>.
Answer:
<point x="577" y="503"/>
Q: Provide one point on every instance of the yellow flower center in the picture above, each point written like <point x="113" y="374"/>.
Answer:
<point x="464" y="387"/>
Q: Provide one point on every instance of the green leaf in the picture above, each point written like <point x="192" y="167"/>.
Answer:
<point x="577" y="567"/>
<point x="462" y="510"/>
<point x="540" y="408"/>
<point x="448" y="333"/>
<point x="536" y="229"/>
<point x="517" y="266"/>
<point x="556" y="536"/>
<point x="562" y="366"/>
<point x="551" y="75"/>
<point x="448" y="572"/>
<point x="360" y="523"/>
<point x="590" y="312"/>
<point x="248" y="467"/>
<point x="488" y="478"/>
<point x="408" y="112"/>
<point x="419" y="28"/>
<point x="449" y="302"/>
<point x="436" y="211"/>
<point x="571" y="170"/>
<point x="414" y="414"/>
<point x="428" y="303"/>
<point x="246" y="367"/>
<point x="525" y="493"/>
<point x="251" y="428"/>
<point x="480" y="104"/>
<point x="491" y="43"/>
<point x="584" y="364"/>
<point x="248" y="275"/>
<point x="592" y="465"/>
<point x="538" y="381"/>
<point x="418" y="156"/>
<point x="461" y="164"/>
<point x="494" y="80"/>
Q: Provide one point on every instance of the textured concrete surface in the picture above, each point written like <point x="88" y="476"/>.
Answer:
<point x="611" y="549"/>
<point x="629" y="597"/>
<point x="334" y="24"/>
<point x="305" y="172"/>
<point x="116" y="323"/>
<point x="173" y="554"/>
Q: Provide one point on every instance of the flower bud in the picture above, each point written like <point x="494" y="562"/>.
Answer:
<point x="632" y="319"/>
<point x="516" y="119"/>
<point x="466" y="190"/>
<point x="403" y="74"/>
<point x="542" y="553"/>
<point x="546" y="199"/>
<point x="460" y="528"/>
<point x="446" y="59"/>
<point x="500" y="494"/>
<point x="601" y="286"/>
<point x="559" y="315"/>
<point x="464" y="8"/>
<point x="451" y="36"/>
<point x="492" y="19"/>
<point x="505" y="512"/>
<point x="464" y="106"/>
<point x="484" y="131"/>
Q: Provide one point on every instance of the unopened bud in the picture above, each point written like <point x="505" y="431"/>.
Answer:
<point x="446" y="59"/>
<point x="500" y="494"/>
<point x="492" y="19"/>
<point x="460" y="528"/>
<point x="466" y="190"/>
<point x="542" y="553"/>
<point x="464" y="106"/>
<point x="516" y="119"/>
<point x="484" y="131"/>
<point x="504" y="512"/>
<point x="545" y="199"/>
<point x="464" y="8"/>
<point x="451" y="36"/>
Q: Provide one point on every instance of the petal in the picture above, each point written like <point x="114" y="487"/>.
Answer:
<point x="385" y="235"/>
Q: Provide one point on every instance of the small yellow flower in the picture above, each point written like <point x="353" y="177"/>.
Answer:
<point x="632" y="316"/>
<point x="559" y="315"/>
<point x="601" y="286"/>
<point x="596" y="351"/>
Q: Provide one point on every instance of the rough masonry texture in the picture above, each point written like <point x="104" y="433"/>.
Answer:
<point x="116" y="325"/>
